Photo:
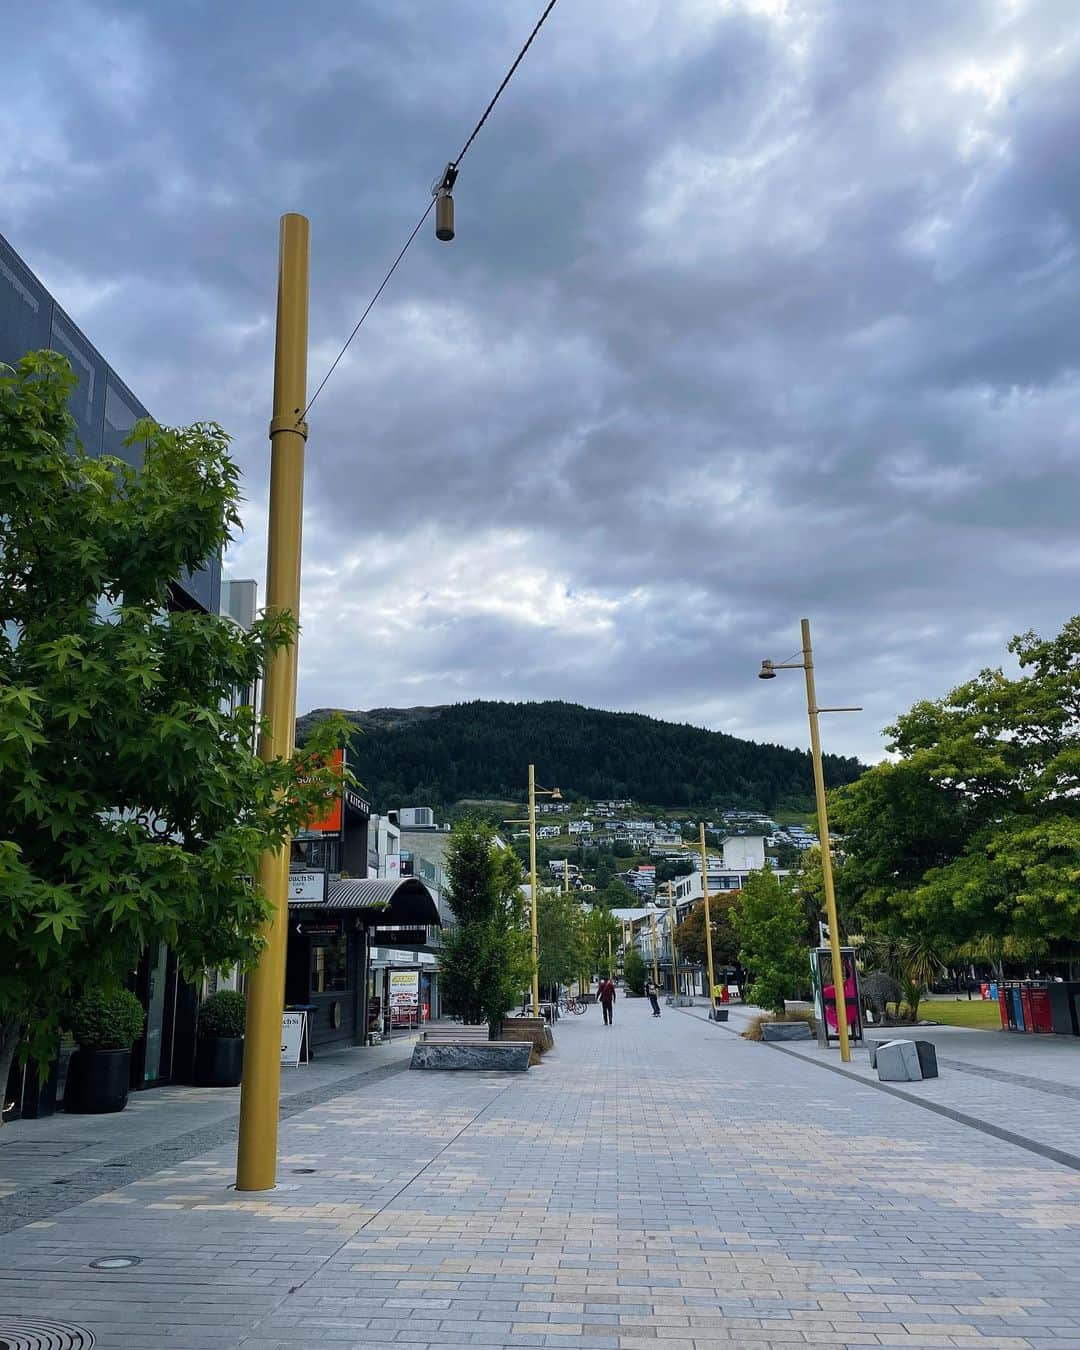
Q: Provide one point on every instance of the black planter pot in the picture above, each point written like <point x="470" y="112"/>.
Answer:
<point x="97" y="1081"/>
<point x="219" y="1061"/>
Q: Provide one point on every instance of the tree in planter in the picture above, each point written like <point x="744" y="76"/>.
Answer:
<point x="770" y="924"/>
<point x="634" y="972"/>
<point x="105" y="1026"/>
<point x="486" y="957"/>
<point x="559" y="938"/>
<point x="219" y="1055"/>
<point x="132" y="810"/>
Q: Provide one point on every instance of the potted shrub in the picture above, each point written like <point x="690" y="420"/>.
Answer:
<point x="219" y="1052"/>
<point x="104" y="1026"/>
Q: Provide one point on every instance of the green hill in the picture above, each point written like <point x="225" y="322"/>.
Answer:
<point x="437" y="756"/>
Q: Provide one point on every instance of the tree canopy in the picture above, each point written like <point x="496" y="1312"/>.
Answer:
<point x="560" y="928"/>
<point x="973" y="834"/>
<point x="770" y="924"/>
<point x="132" y="809"/>
<point x="690" y="934"/>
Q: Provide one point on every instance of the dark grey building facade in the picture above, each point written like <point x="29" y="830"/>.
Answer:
<point x="103" y="406"/>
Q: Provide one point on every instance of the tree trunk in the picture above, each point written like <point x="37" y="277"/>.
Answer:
<point x="10" y="1036"/>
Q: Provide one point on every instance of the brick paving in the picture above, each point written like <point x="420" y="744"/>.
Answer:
<point x="659" y="1185"/>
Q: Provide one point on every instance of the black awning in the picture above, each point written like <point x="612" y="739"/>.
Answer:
<point x="404" y="901"/>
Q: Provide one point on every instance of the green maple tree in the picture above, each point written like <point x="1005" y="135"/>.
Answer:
<point x="132" y="808"/>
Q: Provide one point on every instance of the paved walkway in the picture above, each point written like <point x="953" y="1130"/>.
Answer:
<point x="1019" y="1088"/>
<point x="655" y="1185"/>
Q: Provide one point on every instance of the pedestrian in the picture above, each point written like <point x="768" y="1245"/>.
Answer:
<point x="652" y="992"/>
<point x="606" y="995"/>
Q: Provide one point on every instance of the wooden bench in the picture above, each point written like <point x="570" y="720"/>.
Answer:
<point x="455" y="1035"/>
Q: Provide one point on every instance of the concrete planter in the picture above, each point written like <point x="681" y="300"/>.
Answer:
<point x="219" y="1061"/>
<point x="97" y="1081"/>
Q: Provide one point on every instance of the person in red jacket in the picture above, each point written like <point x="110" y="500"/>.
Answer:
<point x="606" y="995"/>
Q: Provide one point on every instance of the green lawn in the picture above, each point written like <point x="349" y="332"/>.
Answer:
<point x="982" y="1014"/>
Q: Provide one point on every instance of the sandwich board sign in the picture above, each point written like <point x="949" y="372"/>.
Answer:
<point x="293" y="1039"/>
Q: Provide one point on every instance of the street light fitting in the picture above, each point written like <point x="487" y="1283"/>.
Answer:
<point x="556" y="795"/>
<point x="442" y="190"/>
<point x="766" y="672"/>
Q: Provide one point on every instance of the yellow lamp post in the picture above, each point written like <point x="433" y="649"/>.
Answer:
<point x="671" y="936"/>
<point x="768" y="672"/>
<point x="655" y="945"/>
<point x="555" y="796"/>
<point x="256" y="1159"/>
<point x="708" y="918"/>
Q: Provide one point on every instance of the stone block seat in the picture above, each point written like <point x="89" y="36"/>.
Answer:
<point x="464" y="1047"/>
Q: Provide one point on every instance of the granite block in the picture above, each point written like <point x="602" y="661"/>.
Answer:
<point x="786" y="1031"/>
<point x="898" y="1062"/>
<point x="502" y="1056"/>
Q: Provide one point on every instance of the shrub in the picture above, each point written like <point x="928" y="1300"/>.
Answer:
<point x="753" y="1030"/>
<point x="222" y="1015"/>
<point x="898" y="1012"/>
<point x="100" y="1021"/>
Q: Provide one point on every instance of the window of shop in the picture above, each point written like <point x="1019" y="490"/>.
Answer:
<point x="320" y="855"/>
<point x="330" y="965"/>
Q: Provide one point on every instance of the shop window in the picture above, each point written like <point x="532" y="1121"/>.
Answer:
<point x="319" y="855"/>
<point x="330" y="966"/>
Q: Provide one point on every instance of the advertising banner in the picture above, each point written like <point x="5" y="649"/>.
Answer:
<point x="825" y="995"/>
<point x="404" y="989"/>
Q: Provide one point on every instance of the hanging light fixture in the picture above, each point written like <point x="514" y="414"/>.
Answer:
<point x="442" y="190"/>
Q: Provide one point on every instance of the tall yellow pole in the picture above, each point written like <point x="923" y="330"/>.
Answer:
<point x="256" y="1158"/>
<point x="671" y="928"/>
<point x="826" y="853"/>
<point x="708" y="917"/>
<point x="532" y="879"/>
<point x="610" y="959"/>
<point x="655" y="953"/>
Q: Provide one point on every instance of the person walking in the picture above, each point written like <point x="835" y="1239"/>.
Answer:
<point x="606" y="995"/>
<point x="652" y="992"/>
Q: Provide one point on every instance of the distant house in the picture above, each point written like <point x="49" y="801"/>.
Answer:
<point x="549" y="832"/>
<point x="581" y="827"/>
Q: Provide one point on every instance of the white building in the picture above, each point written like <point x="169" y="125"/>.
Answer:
<point x="581" y="827"/>
<point x="384" y="849"/>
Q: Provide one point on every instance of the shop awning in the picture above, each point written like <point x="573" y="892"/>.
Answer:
<point x="403" y="901"/>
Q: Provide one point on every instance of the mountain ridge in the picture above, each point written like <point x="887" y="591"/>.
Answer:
<point x="437" y="754"/>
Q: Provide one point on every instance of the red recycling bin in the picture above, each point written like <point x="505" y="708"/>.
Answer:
<point x="1025" y="1004"/>
<point x="1042" y="1018"/>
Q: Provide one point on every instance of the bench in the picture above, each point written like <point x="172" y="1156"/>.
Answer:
<point x="455" y="1035"/>
<point x="474" y="1054"/>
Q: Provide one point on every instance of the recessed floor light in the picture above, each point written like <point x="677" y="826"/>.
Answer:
<point x="115" y="1262"/>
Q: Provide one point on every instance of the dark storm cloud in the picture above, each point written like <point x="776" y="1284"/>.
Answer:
<point x="755" y="310"/>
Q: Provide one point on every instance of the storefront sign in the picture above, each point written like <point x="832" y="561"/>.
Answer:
<point x="400" y="937"/>
<point x="330" y="821"/>
<point x="307" y="886"/>
<point x="319" y="927"/>
<point x="355" y="802"/>
<point x="293" y="1033"/>
<point x="404" y="989"/>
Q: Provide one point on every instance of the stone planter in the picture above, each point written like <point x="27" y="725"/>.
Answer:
<point x="97" y="1081"/>
<point x="719" y="1014"/>
<point x="219" y="1061"/>
<point x="786" y="1031"/>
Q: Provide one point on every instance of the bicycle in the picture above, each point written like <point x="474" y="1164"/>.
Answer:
<point x="570" y="1004"/>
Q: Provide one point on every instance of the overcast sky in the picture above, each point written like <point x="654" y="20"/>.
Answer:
<point x="756" y="310"/>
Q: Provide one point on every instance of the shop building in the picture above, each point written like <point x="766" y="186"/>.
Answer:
<point x="350" y="931"/>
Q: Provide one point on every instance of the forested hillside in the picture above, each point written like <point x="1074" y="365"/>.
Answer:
<point x="435" y="756"/>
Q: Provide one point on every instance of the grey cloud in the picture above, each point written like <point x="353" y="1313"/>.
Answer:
<point x="747" y="318"/>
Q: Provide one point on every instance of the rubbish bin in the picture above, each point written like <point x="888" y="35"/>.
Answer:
<point x="1063" y="1010"/>
<point x="1003" y="1006"/>
<point x="1017" y="1020"/>
<point x="1041" y="1017"/>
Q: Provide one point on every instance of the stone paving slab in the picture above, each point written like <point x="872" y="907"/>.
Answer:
<point x="1040" y="1111"/>
<point x="653" y="1185"/>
